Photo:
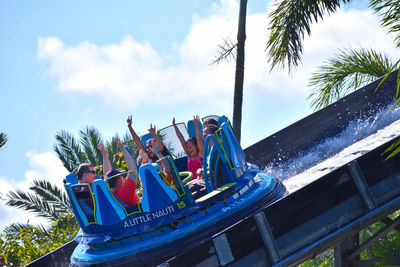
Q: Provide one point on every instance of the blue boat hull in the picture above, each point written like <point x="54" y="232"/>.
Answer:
<point x="184" y="233"/>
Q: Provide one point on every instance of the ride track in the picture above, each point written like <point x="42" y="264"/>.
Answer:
<point x="316" y="217"/>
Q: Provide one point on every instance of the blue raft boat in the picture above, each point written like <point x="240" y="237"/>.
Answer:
<point x="169" y="219"/>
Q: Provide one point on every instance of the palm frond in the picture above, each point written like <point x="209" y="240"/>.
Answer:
<point x="3" y="139"/>
<point x="346" y="72"/>
<point x="90" y="138"/>
<point x="113" y="150"/>
<point x="290" y="20"/>
<point x="33" y="203"/>
<point x="15" y="228"/>
<point x="68" y="150"/>
<point x="51" y="193"/>
<point x="390" y="15"/>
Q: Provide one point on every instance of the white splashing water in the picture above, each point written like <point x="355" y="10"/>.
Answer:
<point x="360" y="137"/>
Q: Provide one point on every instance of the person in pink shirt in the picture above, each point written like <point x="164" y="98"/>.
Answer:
<point x="193" y="148"/>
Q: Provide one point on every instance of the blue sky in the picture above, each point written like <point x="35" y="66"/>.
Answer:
<point x="69" y="64"/>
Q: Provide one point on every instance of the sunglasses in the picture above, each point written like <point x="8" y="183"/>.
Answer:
<point x="91" y="172"/>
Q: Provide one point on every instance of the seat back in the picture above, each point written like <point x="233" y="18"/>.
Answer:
<point x="109" y="209"/>
<point x="192" y="130"/>
<point x="232" y="150"/>
<point x="156" y="193"/>
<point x="144" y="138"/>
<point x="214" y="161"/>
<point x="226" y="158"/>
<point x="82" y="203"/>
<point x="183" y="191"/>
<point x="222" y="119"/>
<point x="71" y="178"/>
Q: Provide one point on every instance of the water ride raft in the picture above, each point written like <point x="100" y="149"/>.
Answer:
<point x="169" y="219"/>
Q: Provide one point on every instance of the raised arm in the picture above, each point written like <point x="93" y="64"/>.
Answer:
<point x="144" y="156"/>
<point x="153" y="133"/>
<point x="180" y="136"/>
<point x="106" y="161"/>
<point x="130" y="161"/>
<point x="200" y="144"/>
<point x="135" y="137"/>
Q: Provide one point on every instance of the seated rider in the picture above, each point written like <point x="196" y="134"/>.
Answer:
<point x="151" y="157"/>
<point x="125" y="190"/>
<point x="210" y="129"/>
<point x="86" y="175"/>
<point x="193" y="148"/>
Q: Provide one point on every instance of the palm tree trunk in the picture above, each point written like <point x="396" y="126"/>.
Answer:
<point x="239" y="74"/>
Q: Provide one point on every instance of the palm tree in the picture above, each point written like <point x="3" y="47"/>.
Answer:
<point x="292" y="18"/>
<point x="3" y="140"/>
<point x="345" y="72"/>
<point x="239" y="74"/>
<point x="73" y="152"/>
<point x="47" y="200"/>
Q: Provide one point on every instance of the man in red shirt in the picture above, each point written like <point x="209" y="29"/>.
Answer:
<point x="124" y="189"/>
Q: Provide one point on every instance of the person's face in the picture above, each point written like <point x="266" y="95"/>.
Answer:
<point x="149" y="146"/>
<point x="89" y="175"/>
<point x="193" y="151"/>
<point x="120" y="181"/>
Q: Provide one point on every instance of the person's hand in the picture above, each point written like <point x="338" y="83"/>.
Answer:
<point x="102" y="149"/>
<point x="120" y="145"/>
<point x="152" y="130"/>
<point x="196" y="121"/>
<point x="173" y="122"/>
<point x="129" y="120"/>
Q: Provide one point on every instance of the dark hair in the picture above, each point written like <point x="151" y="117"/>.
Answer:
<point x="211" y="129"/>
<point x="84" y="167"/>
<point x="112" y="182"/>
<point x="210" y="121"/>
<point x="192" y="140"/>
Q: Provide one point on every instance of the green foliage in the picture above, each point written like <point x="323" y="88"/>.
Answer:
<point x="90" y="138"/>
<point x="21" y="244"/>
<point x="68" y="150"/>
<point x="390" y="15"/>
<point x="325" y="259"/>
<point x="290" y="20"/>
<point x="346" y="72"/>
<point x="72" y="152"/>
<point x="394" y="149"/>
<point x="46" y="200"/>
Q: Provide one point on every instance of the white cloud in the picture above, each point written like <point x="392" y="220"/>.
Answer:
<point x="45" y="166"/>
<point x="42" y="166"/>
<point x="133" y="73"/>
